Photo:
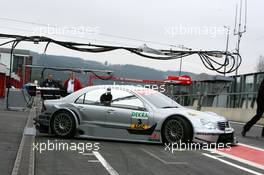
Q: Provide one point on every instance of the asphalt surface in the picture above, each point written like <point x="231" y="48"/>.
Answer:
<point x="253" y="137"/>
<point x="138" y="158"/>
<point x="11" y="130"/>
<point x="115" y="157"/>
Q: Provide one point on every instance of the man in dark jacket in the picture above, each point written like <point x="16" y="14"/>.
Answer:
<point x="49" y="82"/>
<point x="260" y="110"/>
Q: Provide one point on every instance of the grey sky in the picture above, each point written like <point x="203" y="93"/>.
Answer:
<point x="142" y="19"/>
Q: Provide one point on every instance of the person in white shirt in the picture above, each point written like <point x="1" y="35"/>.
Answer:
<point x="72" y="84"/>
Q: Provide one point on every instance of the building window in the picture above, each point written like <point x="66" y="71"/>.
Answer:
<point x="17" y="63"/>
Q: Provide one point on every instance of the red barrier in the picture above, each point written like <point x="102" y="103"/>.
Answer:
<point x="2" y="85"/>
<point x="27" y="76"/>
<point x="13" y="82"/>
<point x="8" y="81"/>
<point x="183" y="80"/>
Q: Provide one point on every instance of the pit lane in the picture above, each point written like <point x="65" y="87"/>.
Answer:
<point x="114" y="157"/>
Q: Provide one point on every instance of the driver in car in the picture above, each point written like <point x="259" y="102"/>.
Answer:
<point x="107" y="97"/>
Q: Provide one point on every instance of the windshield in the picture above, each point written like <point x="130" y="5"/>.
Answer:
<point x="159" y="100"/>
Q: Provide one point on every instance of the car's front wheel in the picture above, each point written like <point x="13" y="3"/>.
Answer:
<point x="176" y="129"/>
<point x="63" y="124"/>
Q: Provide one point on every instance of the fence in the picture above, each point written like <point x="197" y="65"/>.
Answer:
<point x="243" y="100"/>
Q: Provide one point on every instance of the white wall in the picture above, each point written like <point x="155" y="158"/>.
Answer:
<point x="5" y="59"/>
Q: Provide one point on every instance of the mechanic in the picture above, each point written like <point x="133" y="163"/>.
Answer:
<point x="107" y="97"/>
<point x="72" y="84"/>
<point x="49" y="82"/>
<point x="260" y="110"/>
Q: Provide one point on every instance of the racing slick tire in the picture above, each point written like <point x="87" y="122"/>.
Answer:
<point x="63" y="124"/>
<point x="176" y="129"/>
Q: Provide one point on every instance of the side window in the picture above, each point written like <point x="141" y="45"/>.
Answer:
<point x="91" y="97"/>
<point x="125" y="99"/>
<point x="80" y="99"/>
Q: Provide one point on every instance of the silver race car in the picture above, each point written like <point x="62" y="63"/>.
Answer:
<point x="130" y="113"/>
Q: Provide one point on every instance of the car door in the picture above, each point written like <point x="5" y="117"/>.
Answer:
<point x="90" y="108"/>
<point x="126" y="111"/>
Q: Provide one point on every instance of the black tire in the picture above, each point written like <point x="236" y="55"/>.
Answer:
<point x="176" y="129"/>
<point x="63" y="124"/>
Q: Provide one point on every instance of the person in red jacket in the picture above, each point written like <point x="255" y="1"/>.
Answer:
<point x="72" y="84"/>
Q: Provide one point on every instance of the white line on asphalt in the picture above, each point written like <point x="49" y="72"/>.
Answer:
<point x="249" y="146"/>
<point x="31" y="168"/>
<point x="18" y="157"/>
<point x="87" y="154"/>
<point x="107" y="166"/>
<point x="20" y="149"/>
<point x="163" y="161"/>
<point x="256" y="165"/>
<point x="93" y="161"/>
<point x="232" y="164"/>
<point x="219" y="156"/>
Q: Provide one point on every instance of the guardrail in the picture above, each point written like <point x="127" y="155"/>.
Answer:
<point x="243" y="100"/>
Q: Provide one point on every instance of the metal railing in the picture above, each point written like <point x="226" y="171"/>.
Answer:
<point x="226" y="100"/>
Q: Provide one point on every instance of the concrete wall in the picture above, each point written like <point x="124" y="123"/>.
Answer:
<point x="234" y="114"/>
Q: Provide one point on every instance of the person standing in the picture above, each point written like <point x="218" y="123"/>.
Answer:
<point x="260" y="110"/>
<point x="72" y="84"/>
<point x="48" y="92"/>
<point x="49" y="82"/>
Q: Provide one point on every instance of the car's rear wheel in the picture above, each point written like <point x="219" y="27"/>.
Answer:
<point x="63" y="124"/>
<point x="176" y="129"/>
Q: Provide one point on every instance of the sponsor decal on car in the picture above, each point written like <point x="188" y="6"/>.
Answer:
<point x="139" y="126"/>
<point x="140" y="115"/>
